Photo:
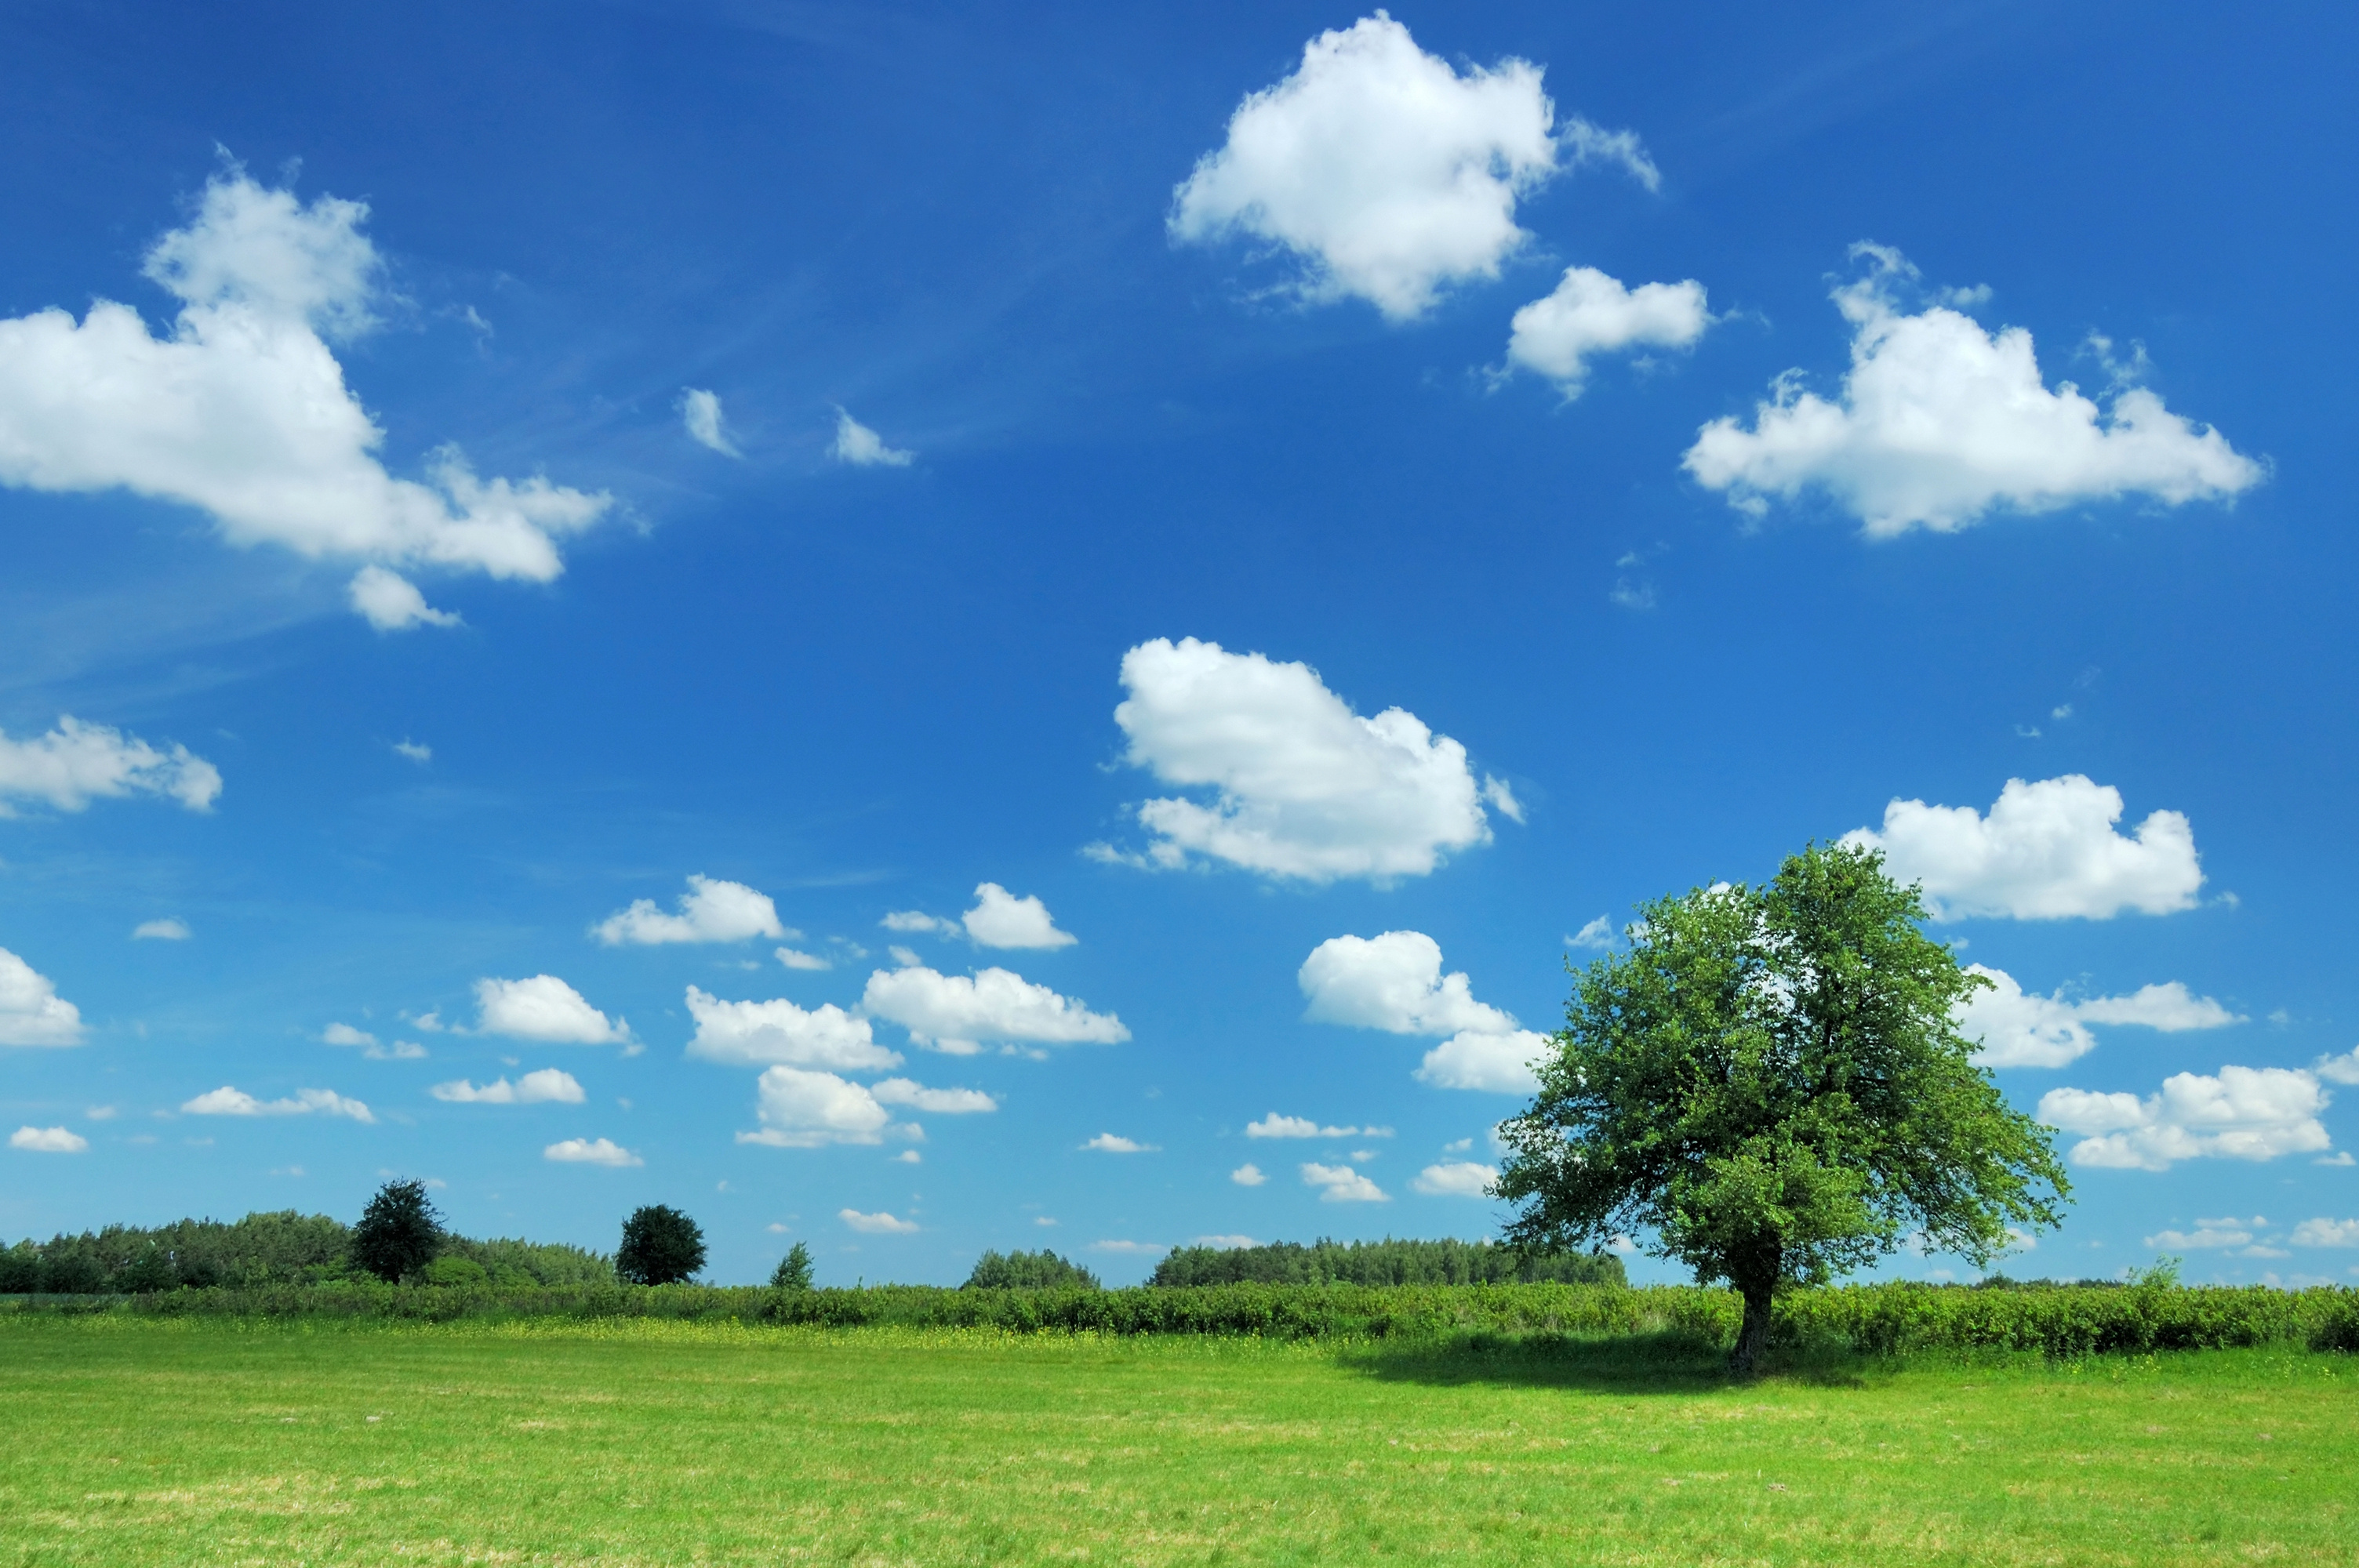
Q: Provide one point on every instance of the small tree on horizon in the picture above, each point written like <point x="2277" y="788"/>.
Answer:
<point x="398" y="1233"/>
<point x="1771" y="1083"/>
<point x="660" y="1246"/>
<point x="794" y="1270"/>
<point x="1041" y="1270"/>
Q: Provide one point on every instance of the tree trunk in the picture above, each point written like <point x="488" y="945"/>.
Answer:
<point x="1753" y="1338"/>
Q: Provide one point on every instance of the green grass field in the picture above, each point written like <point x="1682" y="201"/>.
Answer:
<point x="137" y="1442"/>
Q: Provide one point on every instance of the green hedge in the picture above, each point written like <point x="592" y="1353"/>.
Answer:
<point x="2070" y="1320"/>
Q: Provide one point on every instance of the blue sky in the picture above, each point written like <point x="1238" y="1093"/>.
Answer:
<point x="1176" y="564"/>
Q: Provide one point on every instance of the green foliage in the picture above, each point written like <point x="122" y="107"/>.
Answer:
<point x="398" y="1233"/>
<point x="1385" y="1262"/>
<point x="1041" y="1270"/>
<point x="1769" y="1082"/>
<point x="661" y="1246"/>
<point x="452" y="1270"/>
<point x="284" y="1248"/>
<point x="511" y="1261"/>
<point x="794" y="1270"/>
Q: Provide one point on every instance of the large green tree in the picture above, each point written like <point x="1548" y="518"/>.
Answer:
<point x="1770" y="1086"/>
<point x="661" y="1246"/>
<point x="398" y="1233"/>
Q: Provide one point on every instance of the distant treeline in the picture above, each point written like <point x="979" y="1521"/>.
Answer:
<point x="1385" y="1262"/>
<point x="268" y="1249"/>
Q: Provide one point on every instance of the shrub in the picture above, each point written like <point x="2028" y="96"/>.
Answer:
<point x="399" y="1231"/>
<point x="1385" y="1262"/>
<point x="794" y="1270"/>
<point x="1041" y="1270"/>
<point x="453" y="1269"/>
<point x="660" y="1246"/>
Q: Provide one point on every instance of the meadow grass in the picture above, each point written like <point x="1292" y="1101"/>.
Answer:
<point x="131" y="1441"/>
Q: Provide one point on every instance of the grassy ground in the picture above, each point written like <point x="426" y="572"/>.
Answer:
<point x="141" y="1442"/>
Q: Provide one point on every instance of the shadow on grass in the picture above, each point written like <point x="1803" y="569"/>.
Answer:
<point x="1666" y="1362"/>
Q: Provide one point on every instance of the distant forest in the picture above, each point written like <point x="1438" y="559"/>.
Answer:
<point x="1385" y="1262"/>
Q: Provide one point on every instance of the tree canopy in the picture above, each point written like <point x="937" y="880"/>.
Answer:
<point x="1038" y="1270"/>
<point x="398" y="1233"/>
<point x="1385" y="1262"/>
<point x="1770" y="1086"/>
<point x="794" y="1270"/>
<point x="660" y="1246"/>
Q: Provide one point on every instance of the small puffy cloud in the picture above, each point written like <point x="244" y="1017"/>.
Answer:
<point x="1114" y="1143"/>
<point x="590" y="1152"/>
<point x="391" y="602"/>
<point x="241" y="411"/>
<point x="795" y="958"/>
<point x="956" y="1013"/>
<point x="48" y="1140"/>
<point x="944" y="1102"/>
<point x="2342" y="1069"/>
<point x="228" y="1101"/>
<point x="1276" y="1126"/>
<point x="1302" y="786"/>
<point x="1597" y="934"/>
<point x="803" y="1109"/>
<point x="1000" y="919"/>
<point x="2209" y="1235"/>
<point x="544" y="1008"/>
<point x="711" y="911"/>
<point x="414" y="751"/>
<point x="345" y="1034"/>
<point x="1224" y="1243"/>
<point x="1248" y="1175"/>
<point x="1384" y="172"/>
<point x="917" y="922"/>
<point x="1490" y="1062"/>
<point x="1341" y="1183"/>
<point x="877" y="1224"/>
<point x="758" y="1033"/>
<point x="2245" y="1113"/>
<point x="77" y="762"/>
<point x="1456" y="1179"/>
<point x="2019" y="1029"/>
<point x="1130" y="1248"/>
<point x="2046" y="852"/>
<point x="1591" y="314"/>
<point x="171" y="928"/>
<point x="1940" y="423"/>
<point x="2327" y="1233"/>
<point x="547" y="1085"/>
<point x="1392" y="982"/>
<point x="699" y="412"/>
<point x="862" y="448"/>
<point x="31" y="1012"/>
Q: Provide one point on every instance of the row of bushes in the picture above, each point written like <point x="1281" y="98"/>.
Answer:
<point x="283" y="1248"/>
<point x="1385" y="1262"/>
<point x="2061" y="1321"/>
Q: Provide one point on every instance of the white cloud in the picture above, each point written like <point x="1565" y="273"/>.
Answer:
<point x="2245" y="1113"/>
<point x="1130" y="1248"/>
<point x="955" y="1013"/>
<point x="944" y="1102"/>
<point x="877" y="1224"/>
<point x="391" y="602"/>
<point x="242" y="411"/>
<point x="1114" y="1143"/>
<point x="2046" y="852"/>
<point x="345" y="1034"/>
<point x="1457" y="1179"/>
<point x="1224" y="1243"/>
<point x="2342" y="1069"/>
<point x="1248" y="1175"/>
<point x="911" y="922"/>
<point x="1940" y="423"/>
<point x="2327" y="1233"/>
<point x="699" y="412"/>
<point x="1303" y="787"/>
<point x="228" y="1101"/>
<point x="1392" y="982"/>
<point x="170" y="929"/>
<point x="31" y="1010"/>
<point x="1341" y="1183"/>
<point x="590" y="1152"/>
<point x="548" y="1085"/>
<point x="807" y="1110"/>
<point x="415" y="750"/>
<point x="794" y="959"/>
<point x="2215" y="1234"/>
<point x="1591" y="314"/>
<point x="49" y="1139"/>
<point x="754" y="1033"/>
<point x="710" y="910"/>
<point x="1276" y="1126"/>
<point x="1000" y="919"/>
<point x="1598" y="934"/>
<point x="77" y="762"/>
<point x="1386" y="173"/>
<point x="862" y="448"/>
<point x="2019" y="1029"/>
<point x="544" y="1008"/>
<point x="1492" y="1064"/>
